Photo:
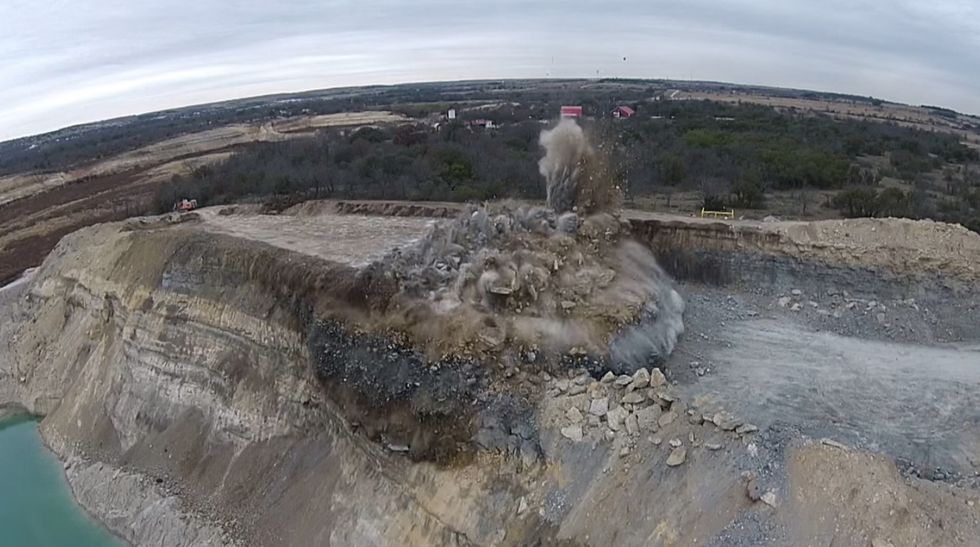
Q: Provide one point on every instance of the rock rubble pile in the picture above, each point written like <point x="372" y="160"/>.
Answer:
<point x="622" y="408"/>
<point x="566" y="278"/>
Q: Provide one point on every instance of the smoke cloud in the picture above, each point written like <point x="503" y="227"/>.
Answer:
<point x="567" y="277"/>
<point x="565" y="150"/>
<point x="577" y="175"/>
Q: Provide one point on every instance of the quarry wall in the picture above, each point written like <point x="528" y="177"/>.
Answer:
<point x="185" y="368"/>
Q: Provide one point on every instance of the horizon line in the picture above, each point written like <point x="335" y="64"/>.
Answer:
<point x="437" y="82"/>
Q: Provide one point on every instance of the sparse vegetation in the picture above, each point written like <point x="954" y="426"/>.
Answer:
<point x="732" y="155"/>
<point x="748" y="156"/>
<point x="861" y="201"/>
<point x="454" y="164"/>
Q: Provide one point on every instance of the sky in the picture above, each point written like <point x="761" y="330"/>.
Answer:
<point x="64" y="62"/>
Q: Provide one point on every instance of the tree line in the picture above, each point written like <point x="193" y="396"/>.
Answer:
<point x="733" y="154"/>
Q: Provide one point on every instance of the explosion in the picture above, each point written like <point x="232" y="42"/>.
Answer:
<point x="577" y="176"/>
<point x="565" y="278"/>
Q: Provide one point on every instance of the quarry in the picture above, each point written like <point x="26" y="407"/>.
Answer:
<point x="573" y="373"/>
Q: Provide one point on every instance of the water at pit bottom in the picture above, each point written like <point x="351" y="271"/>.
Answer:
<point x="36" y="505"/>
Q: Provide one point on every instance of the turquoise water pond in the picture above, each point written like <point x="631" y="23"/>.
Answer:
<point x="36" y="505"/>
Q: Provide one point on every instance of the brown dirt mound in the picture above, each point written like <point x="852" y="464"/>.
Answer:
<point x="930" y="238"/>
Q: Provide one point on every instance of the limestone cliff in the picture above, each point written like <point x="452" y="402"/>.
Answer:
<point x="173" y="368"/>
<point x="207" y="388"/>
<point x="173" y="375"/>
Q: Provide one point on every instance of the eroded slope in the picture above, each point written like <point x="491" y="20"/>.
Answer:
<point x="209" y="384"/>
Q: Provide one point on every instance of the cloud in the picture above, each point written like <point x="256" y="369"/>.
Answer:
<point x="71" y="62"/>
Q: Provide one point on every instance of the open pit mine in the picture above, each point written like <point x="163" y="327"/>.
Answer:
<point x="383" y="373"/>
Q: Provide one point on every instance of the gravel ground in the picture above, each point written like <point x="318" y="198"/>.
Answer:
<point x="350" y="239"/>
<point x="897" y="375"/>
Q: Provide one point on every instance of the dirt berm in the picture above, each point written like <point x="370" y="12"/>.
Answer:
<point x="215" y="379"/>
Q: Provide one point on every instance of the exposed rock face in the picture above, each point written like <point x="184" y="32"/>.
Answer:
<point x="211" y="389"/>
<point x="203" y="392"/>
<point x="828" y="255"/>
<point x="180" y="360"/>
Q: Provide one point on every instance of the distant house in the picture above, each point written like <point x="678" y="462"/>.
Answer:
<point x="488" y="124"/>
<point x="623" y="112"/>
<point x="571" y="111"/>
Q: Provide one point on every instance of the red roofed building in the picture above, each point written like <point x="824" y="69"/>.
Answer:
<point x="571" y="111"/>
<point x="623" y="112"/>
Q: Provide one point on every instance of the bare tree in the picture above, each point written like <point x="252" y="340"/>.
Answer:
<point x="803" y="198"/>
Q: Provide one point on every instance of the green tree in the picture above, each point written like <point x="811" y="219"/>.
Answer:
<point x="857" y="202"/>
<point x="672" y="169"/>
<point x="892" y="202"/>
<point x="748" y="191"/>
<point x="454" y="168"/>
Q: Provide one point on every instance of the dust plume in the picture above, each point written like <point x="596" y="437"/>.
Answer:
<point x="566" y="278"/>
<point x="577" y="175"/>
<point x="565" y="149"/>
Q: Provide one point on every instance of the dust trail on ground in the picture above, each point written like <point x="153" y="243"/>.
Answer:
<point x="917" y="403"/>
<point x="567" y="277"/>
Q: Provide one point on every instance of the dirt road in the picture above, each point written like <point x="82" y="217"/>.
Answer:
<point x="19" y="186"/>
<point x="352" y="239"/>
<point x="918" y="117"/>
<point x="36" y="210"/>
<point x="917" y="403"/>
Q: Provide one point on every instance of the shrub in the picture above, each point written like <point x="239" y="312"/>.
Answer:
<point x="369" y="134"/>
<point x="748" y="192"/>
<point x="857" y="202"/>
<point x="468" y="193"/>
<point x="714" y="202"/>
<point x="672" y="169"/>
<point x="892" y="202"/>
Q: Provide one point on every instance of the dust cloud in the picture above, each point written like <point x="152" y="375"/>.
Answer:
<point x="565" y="278"/>
<point x="577" y="175"/>
<point x="565" y="149"/>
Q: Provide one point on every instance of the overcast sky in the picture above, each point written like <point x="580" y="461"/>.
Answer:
<point x="64" y="62"/>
